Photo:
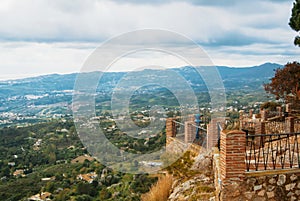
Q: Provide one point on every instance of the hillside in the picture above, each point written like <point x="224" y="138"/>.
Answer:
<point x="45" y="97"/>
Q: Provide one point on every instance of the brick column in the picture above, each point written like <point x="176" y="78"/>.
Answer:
<point x="189" y="131"/>
<point x="170" y="127"/>
<point x="232" y="158"/>
<point x="264" y="114"/>
<point x="213" y="132"/>
<point x="289" y="122"/>
<point x="260" y="128"/>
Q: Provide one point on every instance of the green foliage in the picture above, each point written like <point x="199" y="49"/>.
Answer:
<point x="64" y="184"/>
<point x="285" y="82"/>
<point x="181" y="168"/>
<point x="295" y="20"/>
<point x="271" y="106"/>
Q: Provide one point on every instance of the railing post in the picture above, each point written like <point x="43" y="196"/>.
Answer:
<point x="189" y="131"/>
<point x="232" y="158"/>
<point x="170" y="127"/>
<point x="213" y="131"/>
<point x="264" y="114"/>
<point x="290" y="124"/>
<point x="260" y="127"/>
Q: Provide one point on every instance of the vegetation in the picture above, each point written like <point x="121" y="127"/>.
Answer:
<point x="295" y="21"/>
<point x="285" y="82"/>
<point x="271" y="106"/>
<point x="44" y="152"/>
<point x="159" y="191"/>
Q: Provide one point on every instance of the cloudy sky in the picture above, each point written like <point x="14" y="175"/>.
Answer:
<point x="57" y="36"/>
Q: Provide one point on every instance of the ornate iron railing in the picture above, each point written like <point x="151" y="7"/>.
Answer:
<point x="275" y="127"/>
<point x="272" y="151"/>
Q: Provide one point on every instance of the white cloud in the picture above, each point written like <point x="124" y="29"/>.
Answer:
<point x="46" y="36"/>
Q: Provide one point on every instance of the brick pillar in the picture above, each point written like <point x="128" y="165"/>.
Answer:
<point x="288" y="107"/>
<point x="289" y="122"/>
<point x="213" y="132"/>
<point x="170" y="127"/>
<point x="260" y="128"/>
<point x="279" y="110"/>
<point x="251" y="113"/>
<point x="189" y="131"/>
<point x="232" y="158"/>
<point x="241" y="113"/>
<point x="264" y="114"/>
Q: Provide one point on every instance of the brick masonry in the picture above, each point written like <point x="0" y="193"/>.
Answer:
<point x="232" y="156"/>
<point x="212" y="132"/>
<point x="170" y="127"/>
<point x="189" y="131"/>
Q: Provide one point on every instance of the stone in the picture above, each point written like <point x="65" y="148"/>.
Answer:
<point x="272" y="181"/>
<point x="236" y="193"/>
<point x="298" y="186"/>
<point x="293" y="177"/>
<point x="270" y="188"/>
<point x="270" y="194"/>
<point x="259" y="199"/>
<point x="293" y="198"/>
<point x="261" y="193"/>
<point x="212" y="199"/>
<point x="297" y="192"/>
<point x="281" y="180"/>
<point x="249" y="195"/>
<point x="261" y="179"/>
<point x="251" y="181"/>
<point x="258" y="187"/>
<point x="289" y="187"/>
<point x="290" y="194"/>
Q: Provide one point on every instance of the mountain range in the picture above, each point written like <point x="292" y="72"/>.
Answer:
<point x="49" y="95"/>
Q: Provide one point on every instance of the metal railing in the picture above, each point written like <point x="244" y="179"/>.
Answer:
<point x="272" y="151"/>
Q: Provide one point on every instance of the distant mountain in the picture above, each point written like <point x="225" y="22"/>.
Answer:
<point x="264" y="71"/>
<point x="49" y="96"/>
<point x="232" y="77"/>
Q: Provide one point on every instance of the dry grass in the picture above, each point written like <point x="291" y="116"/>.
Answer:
<point x="159" y="191"/>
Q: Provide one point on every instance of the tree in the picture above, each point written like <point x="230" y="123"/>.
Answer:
<point x="295" y="21"/>
<point x="285" y="82"/>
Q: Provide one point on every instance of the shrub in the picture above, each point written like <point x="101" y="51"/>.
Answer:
<point x="159" y="191"/>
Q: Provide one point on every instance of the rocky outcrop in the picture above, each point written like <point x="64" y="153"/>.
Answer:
<point x="199" y="185"/>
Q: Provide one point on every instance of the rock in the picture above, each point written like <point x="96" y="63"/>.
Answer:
<point x="270" y="194"/>
<point x="236" y="193"/>
<point x="281" y="180"/>
<point x="261" y="179"/>
<point x="270" y="188"/>
<point x="249" y="195"/>
<point x="212" y="199"/>
<point x="298" y="186"/>
<point x="272" y="181"/>
<point x="258" y="187"/>
<point x="115" y="194"/>
<point x="203" y="162"/>
<point x="261" y="193"/>
<point x="290" y="194"/>
<point x="259" y="199"/>
<point x="297" y="192"/>
<point x="293" y="177"/>
<point x="293" y="198"/>
<point x="289" y="187"/>
<point x="251" y="181"/>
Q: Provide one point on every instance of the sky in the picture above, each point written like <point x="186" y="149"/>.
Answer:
<point x="57" y="36"/>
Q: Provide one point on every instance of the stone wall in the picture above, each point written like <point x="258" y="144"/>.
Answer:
<point x="239" y="185"/>
<point x="262" y="187"/>
<point x="176" y="146"/>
